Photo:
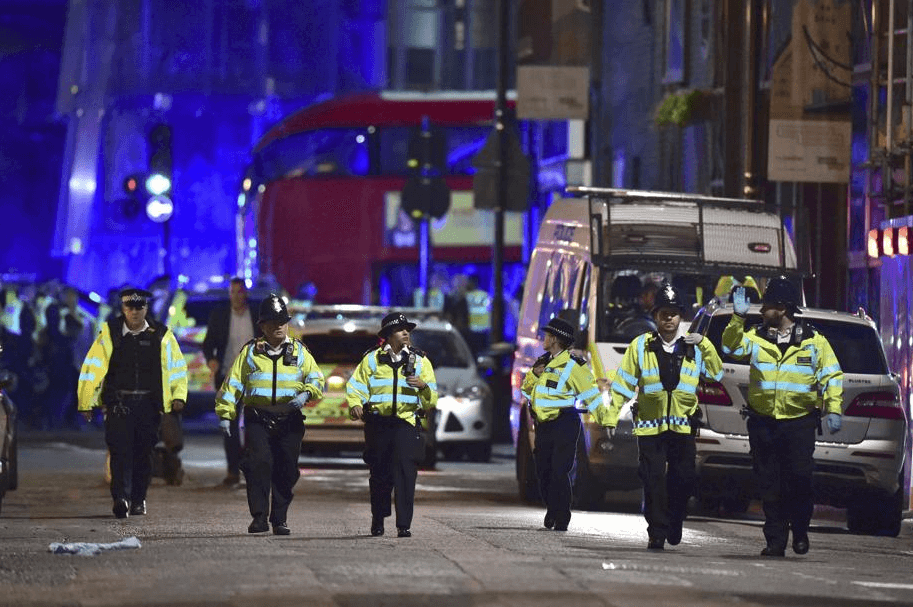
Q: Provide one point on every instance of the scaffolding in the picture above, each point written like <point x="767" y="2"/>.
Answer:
<point x="889" y="133"/>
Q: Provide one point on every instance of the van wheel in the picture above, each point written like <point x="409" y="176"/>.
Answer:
<point x="588" y="492"/>
<point x="527" y="482"/>
<point x="452" y="453"/>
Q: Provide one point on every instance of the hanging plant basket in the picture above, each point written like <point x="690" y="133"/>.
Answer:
<point x="681" y="107"/>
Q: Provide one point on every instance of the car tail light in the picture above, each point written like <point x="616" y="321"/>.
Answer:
<point x="713" y="393"/>
<point x="884" y="405"/>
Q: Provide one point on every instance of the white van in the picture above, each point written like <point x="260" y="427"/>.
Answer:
<point x="597" y="249"/>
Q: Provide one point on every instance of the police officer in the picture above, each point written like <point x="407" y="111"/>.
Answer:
<point x="272" y="378"/>
<point x="479" y="315"/>
<point x="661" y="370"/>
<point x="136" y="370"/>
<point x="390" y="387"/>
<point x="791" y="364"/>
<point x="553" y="386"/>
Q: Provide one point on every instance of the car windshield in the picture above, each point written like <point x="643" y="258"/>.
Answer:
<point x="339" y="348"/>
<point x="443" y="348"/>
<point x="857" y="347"/>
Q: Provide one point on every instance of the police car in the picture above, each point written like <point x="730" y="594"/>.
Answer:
<point x="859" y="468"/>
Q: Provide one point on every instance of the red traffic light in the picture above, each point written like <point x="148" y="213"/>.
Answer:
<point x="132" y="184"/>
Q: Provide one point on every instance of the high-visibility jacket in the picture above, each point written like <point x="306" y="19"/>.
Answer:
<point x="435" y="298"/>
<point x="257" y="379"/>
<point x="377" y="383"/>
<point x="95" y="367"/>
<point x="479" y="310"/>
<point x="12" y="311"/>
<point x="726" y="283"/>
<point x="659" y="410"/>
<point x="565" y="380"/>
<point x="787" y="385"/>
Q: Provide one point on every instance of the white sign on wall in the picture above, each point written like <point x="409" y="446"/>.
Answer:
<point x="809" y="151"/>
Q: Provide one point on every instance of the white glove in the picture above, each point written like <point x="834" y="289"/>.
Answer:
<point x="693" y="339"/>
<point x="226" y="426"/>
<point x="300" y="399"/>
<point x="740" y="303"/>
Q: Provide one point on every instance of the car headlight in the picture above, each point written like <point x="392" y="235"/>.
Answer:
<point x="473" y="392"/>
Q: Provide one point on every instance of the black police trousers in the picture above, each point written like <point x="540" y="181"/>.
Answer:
<point x="131" y="432"/>
<point x="270" y="464"/>
<point x="782" y="453"/>
<point x="389" y="453"/>
<point x="667" y="471"/>
<point x="555" y="455"/>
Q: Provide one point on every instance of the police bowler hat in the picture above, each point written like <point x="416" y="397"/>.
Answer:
<point x="394" y="322"/>
<point x="272" y="309"/>
<point x="560" y="328"/>
<point x="133" y="296"/>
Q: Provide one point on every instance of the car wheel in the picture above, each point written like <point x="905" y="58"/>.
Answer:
<point x="588" y="492"/>
<point x="527" y="482"/>
<point x="479" y="452"/>
<point x="878" y="514"/>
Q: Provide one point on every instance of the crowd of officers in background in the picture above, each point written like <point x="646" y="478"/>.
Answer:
<point x="45" y="334"/>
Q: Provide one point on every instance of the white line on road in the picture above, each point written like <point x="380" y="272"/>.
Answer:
<point x="891" y="585"/>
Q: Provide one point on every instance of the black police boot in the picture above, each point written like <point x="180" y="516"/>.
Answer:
<point x="800" y="543"/>
<point x="403" y="532"/>
<point x="656" y="543"/>
<point x="258" y="525"/>
<point x="549" y="522"/>
<point x="281" y="529"/>
<point x="675" y="533"/>
<point x="138" y="508"/>
<point x="377" y="525"/>
<point x="773" y="551"/>
<point x="121" y="508"/>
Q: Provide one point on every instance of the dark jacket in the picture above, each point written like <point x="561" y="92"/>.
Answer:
<point x="216" y="339"/>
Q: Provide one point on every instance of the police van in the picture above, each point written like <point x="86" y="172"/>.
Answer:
<point x="598" y="252"/>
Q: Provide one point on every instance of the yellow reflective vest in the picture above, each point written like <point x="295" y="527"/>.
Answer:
<point x="659" y="410"/>
<point x="95" y="367"/>
<point x="258" y="379"/>
<point x="565" y="380"/>
<point x="790" y="384"/>
<point x="479" y="315"/>
<point x="375" y="382"/>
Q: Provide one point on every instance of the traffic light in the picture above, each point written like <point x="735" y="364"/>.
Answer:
<point x="425" y="192"/>
<point x="158" y="182"/>
<point x="132" y="205"/>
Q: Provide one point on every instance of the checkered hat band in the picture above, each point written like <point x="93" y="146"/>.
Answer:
<point x="399" y="320"/>
<point x="134" y="297"/>
<point x="560" y="333"/>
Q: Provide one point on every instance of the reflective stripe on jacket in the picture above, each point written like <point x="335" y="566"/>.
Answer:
<point x="479" y="316"/>
<point x="787" y="385"/>
<point x="259" y="380"/>
<point x="565" y="380"/>
<point x="374" y="380"/>
<point x="95" y="367"/>
<point x="659" y="410"/>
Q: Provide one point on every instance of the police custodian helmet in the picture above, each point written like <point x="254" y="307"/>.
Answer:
<point x="273" y="309"/>
<point x="780" y="291"/>
<point x="667" y="297"/>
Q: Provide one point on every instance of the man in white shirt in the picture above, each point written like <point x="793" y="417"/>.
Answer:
<point x="228" y="329"/>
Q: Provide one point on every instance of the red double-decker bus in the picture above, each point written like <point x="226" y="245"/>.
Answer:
<point x="323" y="200"/>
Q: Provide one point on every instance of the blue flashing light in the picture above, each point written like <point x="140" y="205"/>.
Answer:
<point x="159" y="208"/>
<point x="157" y="184"/>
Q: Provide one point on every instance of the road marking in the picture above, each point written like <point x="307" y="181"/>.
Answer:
<point x="891" y="585"/>
<point x="666" y="569"/>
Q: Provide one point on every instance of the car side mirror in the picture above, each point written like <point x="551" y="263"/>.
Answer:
<point x="486" y="363"/>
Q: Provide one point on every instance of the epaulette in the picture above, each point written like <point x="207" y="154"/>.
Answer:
<point x="418" y="352"/>
<point x="577" y="359"/>
<point x="369" y="350"/>
<point x="303" y="345"/>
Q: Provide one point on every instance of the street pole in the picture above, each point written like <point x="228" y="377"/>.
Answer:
<point x="497" y="254"/>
